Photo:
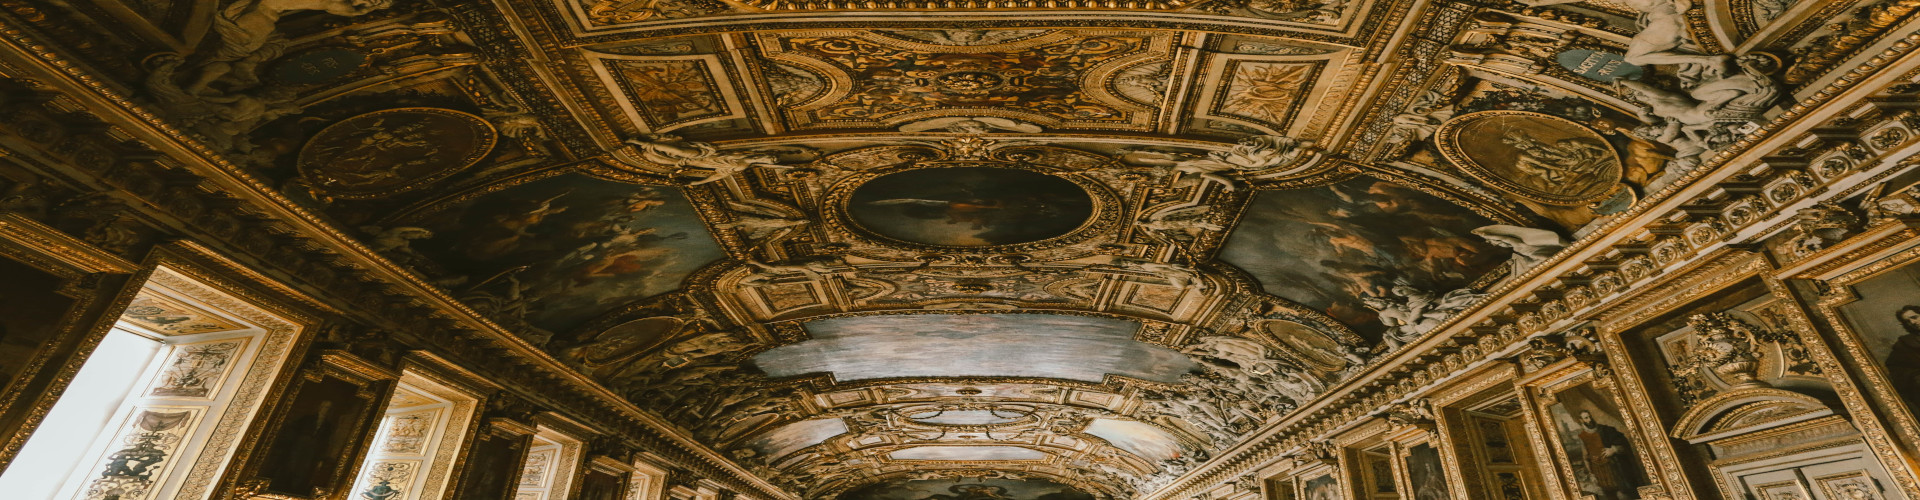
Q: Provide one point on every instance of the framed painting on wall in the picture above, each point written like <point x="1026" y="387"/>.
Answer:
<point x="1598" y="450"/>
<point x="322" y="432"/>
<point x="1424" y="473"/>
<point x="1878" y="309"/>
<point x="1322" y="486"/>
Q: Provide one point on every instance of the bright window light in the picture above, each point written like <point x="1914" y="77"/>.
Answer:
<point x="88" y="405"/>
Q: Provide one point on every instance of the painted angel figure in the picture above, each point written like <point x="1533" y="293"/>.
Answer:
<point x="680" y="153"/>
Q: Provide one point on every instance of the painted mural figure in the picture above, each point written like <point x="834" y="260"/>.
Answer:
<point x="1610" y="459"/>
<point x="246" y="30"/>
<point x="1903" y="359"/>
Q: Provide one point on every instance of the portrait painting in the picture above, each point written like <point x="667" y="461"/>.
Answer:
<point x="1379" y="472"/>
<point x="1886" y="319"/>
<point x="1604" y="459"/>
<point x="966" y="489"/>
<point x="559" y="250"/>
<point x="969" y="206"/>
<point x="1083" y="348"/>
<point x="314" y="444"/>
<point x="1328" y="247"/>
<point x="1280" y="488"/>
<point x="1535" y="156"/>
<point x="31" y="313"/>
<point x="394" y="150"/>
<point x="600" y="484"/>
<point x="1321" y="487"/>
<point x="1424" y="473"/>
<point x="1494" y="440"/>
<point x="493" y="465"/>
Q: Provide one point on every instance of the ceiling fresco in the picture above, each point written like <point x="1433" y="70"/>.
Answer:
<point x="974" y="345"/>
<point x="924" y="249"/>
<point x="1351" y="247"/>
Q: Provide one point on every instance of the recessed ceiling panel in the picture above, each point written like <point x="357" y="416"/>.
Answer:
<point x="1327" y="247"/>
<point x="796" y="436"/>
<point x="975" y="345"/>
<point x="563" y="248"/>
<point x="1138" y="438"/>
<point x="967" y="453"/>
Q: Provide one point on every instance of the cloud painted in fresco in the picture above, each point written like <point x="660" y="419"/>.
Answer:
<point x="967" y="453"/>
<point x="974" y="345"/>
<point x="971" y="489"/>
<point x="589" y="245"/>
<point x="796" y="436"/>
<point x="1325" y="247"/>
<point x="1138" y="438"/>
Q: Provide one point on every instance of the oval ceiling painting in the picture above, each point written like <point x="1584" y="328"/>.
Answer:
<point x="970" y="206"/>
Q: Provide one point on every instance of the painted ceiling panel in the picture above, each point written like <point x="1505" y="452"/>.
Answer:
<point x="974" y="345"/>
<point x="967" y="453"/>
<point x="1138" y="438"/>
<point x="1328" y="247"/>
<point x="564" y="248"/>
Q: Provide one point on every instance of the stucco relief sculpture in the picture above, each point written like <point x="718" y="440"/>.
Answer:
<point x="1731" y="95"/>
<point x="1410" y="312"/>
<point x="1223" y="168"/>
<point x="1530" y="246"/>
<point x="703" y="158"/>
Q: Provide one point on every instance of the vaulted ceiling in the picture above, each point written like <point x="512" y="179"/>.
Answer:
<point x="867" y="248"/>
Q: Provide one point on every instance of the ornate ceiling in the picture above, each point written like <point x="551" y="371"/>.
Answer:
<point x="864" y="248"/>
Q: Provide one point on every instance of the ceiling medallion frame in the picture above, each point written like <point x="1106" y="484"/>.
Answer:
<point x="1107" y="209"/>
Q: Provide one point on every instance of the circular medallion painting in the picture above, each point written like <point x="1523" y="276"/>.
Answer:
<point x="1537" y="157"/>
<point x="393" y="150"/>
<point x="970" y="206"/>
